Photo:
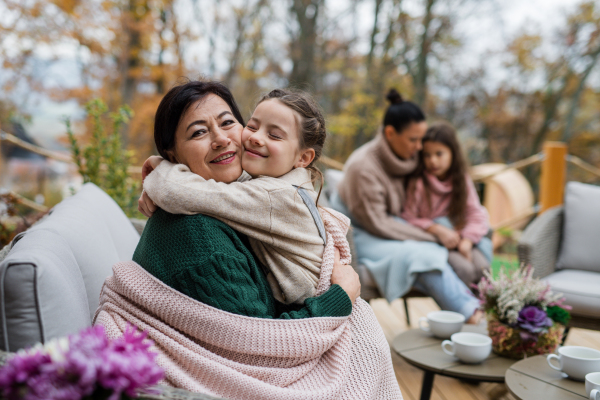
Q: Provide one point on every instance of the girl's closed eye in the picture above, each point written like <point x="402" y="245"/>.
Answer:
<point x="275" y="135"/>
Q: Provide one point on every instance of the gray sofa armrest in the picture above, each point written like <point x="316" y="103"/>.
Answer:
<point x="540" y="242"/>
<point x="138" y="224"/>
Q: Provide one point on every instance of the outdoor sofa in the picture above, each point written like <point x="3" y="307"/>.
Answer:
<point x="563" y="246"/>
<point x="51" y="275"/>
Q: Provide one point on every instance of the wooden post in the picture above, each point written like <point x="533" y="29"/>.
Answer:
<point x="552" y="180"/>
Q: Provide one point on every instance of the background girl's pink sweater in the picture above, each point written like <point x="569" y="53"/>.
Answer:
<point x="418" y="213"/>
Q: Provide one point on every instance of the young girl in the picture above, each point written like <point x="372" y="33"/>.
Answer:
<point x="442" y="199"/>
<point x="277" y="208"/>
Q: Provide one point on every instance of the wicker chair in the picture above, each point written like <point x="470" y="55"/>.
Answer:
<point x="539" y="246"/>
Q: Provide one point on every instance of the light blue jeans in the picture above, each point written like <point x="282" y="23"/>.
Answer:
<point x="398" y="265"/>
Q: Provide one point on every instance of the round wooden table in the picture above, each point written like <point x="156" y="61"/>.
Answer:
<point x="424" y="351"/>
<point x="532" y="379"/>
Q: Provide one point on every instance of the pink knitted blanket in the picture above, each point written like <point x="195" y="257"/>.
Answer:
<point x="207" y="350"/>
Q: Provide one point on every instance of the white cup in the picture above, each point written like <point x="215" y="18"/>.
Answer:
<point x="592" y="385"/>
<point x="470" y="348"/>
<point x="576" y="361"/>
<point x="442" y="323"/>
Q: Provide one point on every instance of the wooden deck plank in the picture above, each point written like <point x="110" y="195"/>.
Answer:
<point x="392" y="320"/>
<point x="583" y="337"/>
<point x="388" y="320"/>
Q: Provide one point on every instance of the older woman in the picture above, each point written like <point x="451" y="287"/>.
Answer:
<point x="198" y="291"/>
<point x="397" y="254"/>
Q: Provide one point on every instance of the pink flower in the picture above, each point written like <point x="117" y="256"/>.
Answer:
<point x="91" y="362"/>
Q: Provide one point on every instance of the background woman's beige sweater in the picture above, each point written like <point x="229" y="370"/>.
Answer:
<point x="373" y="191"/>
<point x="282" y="232"/>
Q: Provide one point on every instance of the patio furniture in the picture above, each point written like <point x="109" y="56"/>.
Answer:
<point x="533" y="379"/>
<point x="563" y="248"/>
<point x="51" y="275"/>
<point x="425" y="352"/>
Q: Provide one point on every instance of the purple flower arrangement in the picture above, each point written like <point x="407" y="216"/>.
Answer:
<point x="524" y="316"/>
<point x="83" y="366"/>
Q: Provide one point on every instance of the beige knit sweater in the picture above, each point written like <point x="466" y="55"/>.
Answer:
<point x="282" y="232"/>
<point x="373" y="191"/>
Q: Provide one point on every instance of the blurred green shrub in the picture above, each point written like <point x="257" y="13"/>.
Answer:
<point x="103" y="161"/>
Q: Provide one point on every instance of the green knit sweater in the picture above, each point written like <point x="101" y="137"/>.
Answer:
<point x="210" y="262"/>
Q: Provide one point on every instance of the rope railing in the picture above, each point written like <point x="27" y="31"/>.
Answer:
<point x="55" y="155"/>
<point x="583" y="165"/>
<point x="331" y="163"/>
<point x="7" y="137"/>
<point x="536" y="158"/>
<point x="326" y="161"/>
<point x="25" y="201"/>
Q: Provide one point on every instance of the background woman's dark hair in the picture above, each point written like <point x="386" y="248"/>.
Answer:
<point x="177" y="101"/>
<point x="445" y="134"/>
<point x="400" y="113"/>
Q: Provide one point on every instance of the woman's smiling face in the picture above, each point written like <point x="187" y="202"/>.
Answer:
<point x="207" y="140"/>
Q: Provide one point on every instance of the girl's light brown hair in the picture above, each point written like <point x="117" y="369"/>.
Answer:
<point x="444" y="133"/>
<point x="311" y="124"/>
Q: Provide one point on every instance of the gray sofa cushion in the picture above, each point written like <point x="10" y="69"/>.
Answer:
<point x="42" y="294"/>
<point x="580" y="289"/>
<point x="88" y="230"/>
<point x="98" y="233"/>
<point x="581" y="229"/>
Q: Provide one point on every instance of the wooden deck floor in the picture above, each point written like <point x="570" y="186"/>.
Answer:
<point x="391" y="316"/>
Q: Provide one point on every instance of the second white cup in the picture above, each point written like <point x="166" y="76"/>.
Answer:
<point x="442" y="323"/>
<point x="592" y="385"/>
<point x="470" y="348"/>
<point x="576" y="361"/>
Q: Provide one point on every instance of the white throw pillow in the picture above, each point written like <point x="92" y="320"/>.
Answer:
<point x="580" y="247"/>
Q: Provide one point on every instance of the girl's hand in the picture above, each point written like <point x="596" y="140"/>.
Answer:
<point x="449" y="237"/>
<point x="465" y="247"/>
<point x="345" y="276"/>
<point x="149" y="165"/>
<point x="145" y="205"/>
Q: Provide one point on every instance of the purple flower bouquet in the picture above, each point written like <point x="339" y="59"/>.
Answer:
<point x="82" y="366"/>
<point x="524" y="316"/>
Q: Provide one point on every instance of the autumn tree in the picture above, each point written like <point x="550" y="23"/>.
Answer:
<point x="125" y="51"/>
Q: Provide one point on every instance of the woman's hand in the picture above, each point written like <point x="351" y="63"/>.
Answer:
<point x="449" y="237"/>
<point x="345" y="276"/>
<point x="149" y="165"/>
<point x="465" y="247"/>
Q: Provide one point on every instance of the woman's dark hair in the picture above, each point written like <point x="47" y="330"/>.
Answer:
<point x="311" y="125"/>
<point x="177" y="101"/>
<point x="400" y="113"/>
<point x="444" y="133"/>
